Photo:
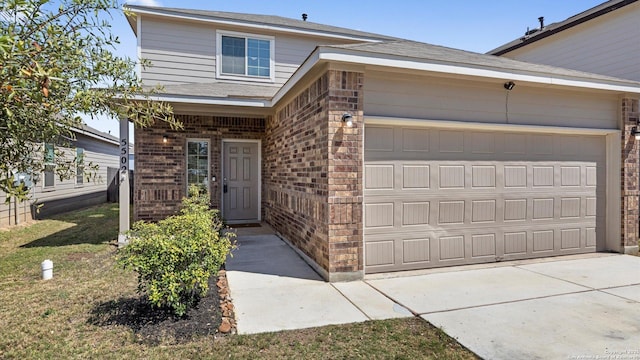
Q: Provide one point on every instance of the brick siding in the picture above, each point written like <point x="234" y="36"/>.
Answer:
<point x="295" y="171"/>
<point x="630" y="168"/>
<point x="313" y="172"/>
<point x="345" y="172"/>
<point x="160" y="168"/>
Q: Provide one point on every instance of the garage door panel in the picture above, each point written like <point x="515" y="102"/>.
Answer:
<point x="515" y="243"/>
<point x="416" y="213"/>
<point x="483" y="211"/>
<point x="460" y="197"/>
<point x="483" y="245"/>
<point x="416" y="177"/>
<point x="379" y="215"/>
<point x="416" y="250"/>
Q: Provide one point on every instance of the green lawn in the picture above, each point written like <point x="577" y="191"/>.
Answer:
<point x="53" y="319"/>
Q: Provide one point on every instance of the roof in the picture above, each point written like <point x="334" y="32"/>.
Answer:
<point x="444" y="55"/>
<point x="275" y="22"/>
<point x="555" y="28"/>
<point x="222" y="90"/>
<point x="96" y="134"/>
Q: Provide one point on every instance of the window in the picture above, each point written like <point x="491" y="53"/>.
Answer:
<point x="198" y="163"/>
<point x="79" y="166"/>
<point x="49" y="165"/>
<point x="241" y="55"/>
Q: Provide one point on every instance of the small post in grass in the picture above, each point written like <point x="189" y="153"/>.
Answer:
<point x="47" y="269"/>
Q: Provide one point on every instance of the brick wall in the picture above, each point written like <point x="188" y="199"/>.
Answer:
<point x="345" y="173"/>
<point x="313" y="173"/>
<point x="295" y="171"/>
<point x="160" y="168"/>
<point x="630" y="168"/>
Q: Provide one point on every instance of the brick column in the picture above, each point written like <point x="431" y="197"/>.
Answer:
<point x="630" y="169"/>
<point x="345" y="157"/>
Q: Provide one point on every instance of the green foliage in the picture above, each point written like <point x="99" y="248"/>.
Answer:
<point x="58" y="61"/>
<point x="176" y="257"/>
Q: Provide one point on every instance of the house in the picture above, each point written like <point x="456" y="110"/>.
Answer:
<point x="601" y="40"/>
<point x="51" y="196"/>
<point x="373" y="154"/>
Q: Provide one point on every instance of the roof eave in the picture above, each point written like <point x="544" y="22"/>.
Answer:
<point x="93" y="135"/>
<point x="205" y="100"/>
<point x="376" y="59"/>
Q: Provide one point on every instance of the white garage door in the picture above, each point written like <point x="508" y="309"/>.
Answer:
<point x="436" y="197"/>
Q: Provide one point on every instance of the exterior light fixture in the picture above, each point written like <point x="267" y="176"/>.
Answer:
<point x="509" y="85"/>
<point x="165" y="138"/>
<point x="347" y="119"/>
<point x="635" y="132"/>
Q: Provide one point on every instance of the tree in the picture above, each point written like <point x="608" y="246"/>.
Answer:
<point x="59" y="61"/>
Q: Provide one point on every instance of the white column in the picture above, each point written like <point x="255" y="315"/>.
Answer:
<point x="123" y="189"/>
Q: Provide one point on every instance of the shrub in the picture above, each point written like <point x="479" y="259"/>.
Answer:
<point x="176" y="257"/>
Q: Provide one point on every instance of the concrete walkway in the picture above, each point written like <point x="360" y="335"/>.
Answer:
<point x="568" y="307"/>
<point x="274" y="289"/>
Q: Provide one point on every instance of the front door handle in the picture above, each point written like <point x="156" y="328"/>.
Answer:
<point x="224" y="186"/>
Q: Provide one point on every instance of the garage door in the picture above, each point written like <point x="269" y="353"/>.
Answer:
<point x="437" y="197"/>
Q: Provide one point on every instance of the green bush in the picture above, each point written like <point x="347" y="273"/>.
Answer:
<point x="176" y="257"/>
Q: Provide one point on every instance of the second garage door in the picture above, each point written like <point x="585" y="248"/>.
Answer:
<point x="436" y="197"/>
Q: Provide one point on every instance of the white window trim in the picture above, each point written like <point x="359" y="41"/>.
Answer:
<point x="81" y="184"/>
<point x="186" y="167"/>
<point x="272" y="67"/>
<point x="45" y="187"/>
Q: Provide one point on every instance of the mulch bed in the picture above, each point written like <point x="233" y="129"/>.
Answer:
<point x="212" y="316"/>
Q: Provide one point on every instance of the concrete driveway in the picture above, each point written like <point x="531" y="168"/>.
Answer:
<point x="569" y="307"/>
<point x="584" y="307"/>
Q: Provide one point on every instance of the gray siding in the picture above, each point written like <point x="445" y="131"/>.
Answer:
<point x="185" y="52"/>
<point x="105" y="156"/>
<point x="464" y="100"/>
<point x="179" y="52"/>
<point x="68" y="188"/>
<point x="607" y="45"/>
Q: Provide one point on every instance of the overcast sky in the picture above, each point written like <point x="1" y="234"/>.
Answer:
<point x="464" y="24"/>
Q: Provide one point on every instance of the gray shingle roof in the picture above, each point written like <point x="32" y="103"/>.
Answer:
<point x="97" y="133"/>
<point x="554" y="28"/>
<point x="270" y="20"/>
<point x="440" y="54"/>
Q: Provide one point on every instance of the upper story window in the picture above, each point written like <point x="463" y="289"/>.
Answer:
<point x="245" y="56"/>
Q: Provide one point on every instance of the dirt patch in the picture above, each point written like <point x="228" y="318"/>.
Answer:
<point x="155" y="326"/>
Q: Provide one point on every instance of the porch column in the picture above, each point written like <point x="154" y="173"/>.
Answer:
<point x="630" y="173"/>
<point x="123" y="183"/>
<point x="346" y="160"/>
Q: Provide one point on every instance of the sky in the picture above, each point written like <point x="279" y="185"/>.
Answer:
<point x="471" y="25"/>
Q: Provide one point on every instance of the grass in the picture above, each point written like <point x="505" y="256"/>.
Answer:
<point x="53" y="319"/>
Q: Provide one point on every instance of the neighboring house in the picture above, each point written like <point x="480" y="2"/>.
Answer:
<point x="51" y="196"/>
<point x="601" y="40"/>
<point x="373" y="154"/>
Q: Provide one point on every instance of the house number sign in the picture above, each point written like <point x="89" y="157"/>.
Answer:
<point x="124" y="149"/>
